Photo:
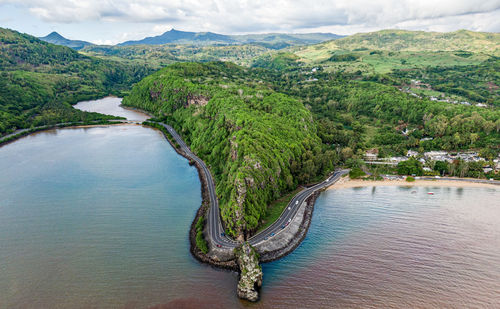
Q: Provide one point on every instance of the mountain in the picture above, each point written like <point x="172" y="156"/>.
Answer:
<point x="56" y="38"/>
<point x="182" y="37"/>
<point x="270" y="40"/>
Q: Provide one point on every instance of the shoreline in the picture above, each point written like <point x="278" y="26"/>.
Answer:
<point x="346" y="182"/>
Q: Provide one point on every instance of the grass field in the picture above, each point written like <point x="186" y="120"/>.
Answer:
<point x="385" y="62"/>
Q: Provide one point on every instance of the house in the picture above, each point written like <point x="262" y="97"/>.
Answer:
<point x="412" y="153"/>
<point x="487" y="169"/>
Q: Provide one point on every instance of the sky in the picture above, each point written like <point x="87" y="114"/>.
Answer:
<point x="115" y="21"/>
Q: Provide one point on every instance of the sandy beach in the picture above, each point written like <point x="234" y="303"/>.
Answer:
<point x="346" y="182"/>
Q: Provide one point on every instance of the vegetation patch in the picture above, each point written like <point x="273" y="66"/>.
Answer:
<point x="201" y="243"/>
<point x="356" y="173"/>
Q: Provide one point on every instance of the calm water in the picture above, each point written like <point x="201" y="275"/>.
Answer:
<point x="387" y="247"/>
<point x="110" y="106"/>
<point x="98" y="218"/>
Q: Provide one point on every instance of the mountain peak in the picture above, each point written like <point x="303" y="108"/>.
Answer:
<point x="56" y="38"/>
<point x="54" y="35"/>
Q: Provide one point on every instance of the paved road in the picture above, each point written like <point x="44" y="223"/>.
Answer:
<point x="214" y="222"/>
<point x="215" y="228"/>
<point x="293" y="207"/>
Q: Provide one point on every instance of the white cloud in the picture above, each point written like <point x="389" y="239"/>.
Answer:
<point x="159" y="29"/>
<point x="239" y="16"/>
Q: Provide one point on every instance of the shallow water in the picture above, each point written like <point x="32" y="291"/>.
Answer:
<point x="99" y="218"/>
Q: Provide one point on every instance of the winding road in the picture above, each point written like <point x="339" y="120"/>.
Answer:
<point x="214" y="224"/>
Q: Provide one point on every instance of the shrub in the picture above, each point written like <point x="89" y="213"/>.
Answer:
<point x="201" y="243"/>
<point x="410" y="179"/>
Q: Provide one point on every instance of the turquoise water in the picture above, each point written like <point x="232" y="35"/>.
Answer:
<point x="99" y="218"/>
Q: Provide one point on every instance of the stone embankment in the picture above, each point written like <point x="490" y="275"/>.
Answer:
<point x="290" y="237"/>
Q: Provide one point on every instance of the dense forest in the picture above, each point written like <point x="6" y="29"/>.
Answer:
<point x="257" y="142"/>
<point x="39" y="81"/>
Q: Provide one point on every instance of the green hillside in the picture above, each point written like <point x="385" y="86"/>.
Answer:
<point x="158" y="56"/>
<point x="409" y="41"/>
<point x="455" y="67"/>
<point x="39" y="81"/>
<point x="388" y="50"/>
<point x="258" y="143"/>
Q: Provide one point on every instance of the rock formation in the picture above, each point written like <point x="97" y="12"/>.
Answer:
<point x="250" y="272"/>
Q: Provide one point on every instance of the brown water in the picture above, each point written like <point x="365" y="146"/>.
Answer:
<point x="387" y="247"/>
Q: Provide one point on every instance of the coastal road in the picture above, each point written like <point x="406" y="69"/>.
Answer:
<point x="293" y="207"/>
<point x="214" y="224"/>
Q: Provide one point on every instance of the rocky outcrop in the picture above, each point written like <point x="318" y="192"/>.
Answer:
<point x="250" y="272"/>
<point x="199" y="100"/>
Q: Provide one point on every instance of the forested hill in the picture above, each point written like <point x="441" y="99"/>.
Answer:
<point x="39" y="81"/>
<point x="403" y="40"/>
<point x="258" y="143"/>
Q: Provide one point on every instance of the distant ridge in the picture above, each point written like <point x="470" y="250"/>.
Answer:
<point x="56" y="38"/>
<point x="405" y="40"/>
<point x="270" y="40"/>
<point x="181" y="37"/>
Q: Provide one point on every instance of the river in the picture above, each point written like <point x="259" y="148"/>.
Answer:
<point x="98" y="217"/>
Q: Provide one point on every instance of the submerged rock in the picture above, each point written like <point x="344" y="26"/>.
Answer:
<point x="250" y="272"/>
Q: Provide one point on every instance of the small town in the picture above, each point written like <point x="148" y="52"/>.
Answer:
<point x="427" y="159"/>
